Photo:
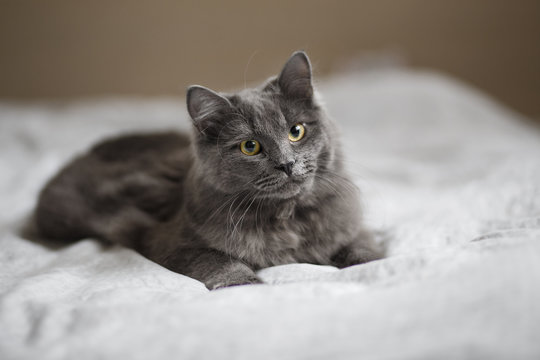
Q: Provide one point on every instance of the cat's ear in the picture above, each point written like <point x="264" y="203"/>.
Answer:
<point x="295" y="77"/>
<point x="205" y="105"/>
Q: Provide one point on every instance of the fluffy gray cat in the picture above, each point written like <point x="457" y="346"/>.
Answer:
<point x="259" y="183"/>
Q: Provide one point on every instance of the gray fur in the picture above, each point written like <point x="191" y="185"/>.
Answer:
<point x="201" y="207"/>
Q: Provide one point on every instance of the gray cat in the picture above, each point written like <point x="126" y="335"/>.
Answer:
<point x="259" y="183"/>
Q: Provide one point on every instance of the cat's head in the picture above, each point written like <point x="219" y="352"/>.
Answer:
<point x="272" y="141"/>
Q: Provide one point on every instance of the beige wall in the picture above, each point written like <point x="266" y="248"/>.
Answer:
<point x="65" y="48"/>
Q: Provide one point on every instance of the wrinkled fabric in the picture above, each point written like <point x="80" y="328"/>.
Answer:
<point x="451" y="187"/>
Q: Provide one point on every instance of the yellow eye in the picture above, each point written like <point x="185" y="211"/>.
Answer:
<point x="297" y="132"/>
<point x="250" y="147"/>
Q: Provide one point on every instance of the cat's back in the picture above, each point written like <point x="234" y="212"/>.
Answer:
<point x="140" y="146"/>
<point x="127" y="182"/>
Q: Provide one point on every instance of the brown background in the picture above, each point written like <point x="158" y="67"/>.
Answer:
<point x="63" y="49"/>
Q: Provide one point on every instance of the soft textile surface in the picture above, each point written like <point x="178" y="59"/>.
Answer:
<point x="451" y="184"/>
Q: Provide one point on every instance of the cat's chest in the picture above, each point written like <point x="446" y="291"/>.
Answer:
<point x="305" y="237"/>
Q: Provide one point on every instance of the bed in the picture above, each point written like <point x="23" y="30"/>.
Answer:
<point x="451" y="188"/>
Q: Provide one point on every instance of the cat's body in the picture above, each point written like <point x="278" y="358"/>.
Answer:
<point x="239" y="196"/>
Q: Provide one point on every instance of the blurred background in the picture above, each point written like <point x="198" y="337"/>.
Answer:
<point x="65" y="49"/>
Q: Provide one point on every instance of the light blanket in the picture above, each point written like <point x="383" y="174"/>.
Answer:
<point x="451" y="184"/>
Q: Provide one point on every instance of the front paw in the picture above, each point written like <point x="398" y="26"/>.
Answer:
<point x="234" y="275"/>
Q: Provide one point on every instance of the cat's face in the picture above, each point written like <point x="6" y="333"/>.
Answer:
<point x="270" y="141"/>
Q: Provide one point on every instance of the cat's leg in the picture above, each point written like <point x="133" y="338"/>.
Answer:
<point x="360" y="251"/>
<point x="212" y="267"/>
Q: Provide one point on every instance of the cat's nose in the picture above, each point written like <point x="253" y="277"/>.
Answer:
<point x="286" y="167"/>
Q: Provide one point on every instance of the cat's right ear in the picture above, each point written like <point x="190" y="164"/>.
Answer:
<point x="295" y="78"/>
<point x="205" y="107"/>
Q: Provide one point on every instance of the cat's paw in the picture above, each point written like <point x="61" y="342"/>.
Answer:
<point x="236" y="274"/>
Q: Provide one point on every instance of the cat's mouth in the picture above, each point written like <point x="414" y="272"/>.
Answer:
<point x="284" y="188"/>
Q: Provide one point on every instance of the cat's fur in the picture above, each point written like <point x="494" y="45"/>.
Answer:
<point x="201" y="207"/>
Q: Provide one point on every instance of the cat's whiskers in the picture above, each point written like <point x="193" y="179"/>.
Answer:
<point x="231" y="219"/>
<point x="232" y="197"/>
<point x="247" y="67"/>
<point x="325" y="183"/>
<point x="357" y="169"/>
<point x="238" y="225"/>
<point x="228" y="240"/>
<point x="257" y="229"/>
<point x="337" y="189"/>
<point x="240" y="221"/>
<point x="344" y="181"/>
<point x="222" y="206"/>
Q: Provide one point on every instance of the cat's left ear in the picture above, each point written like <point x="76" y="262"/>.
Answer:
<point x="295" y="77"/>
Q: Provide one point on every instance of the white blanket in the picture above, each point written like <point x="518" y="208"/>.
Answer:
<point x="451" y="184"/>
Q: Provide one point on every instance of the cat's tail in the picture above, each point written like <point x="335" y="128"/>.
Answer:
<point x="60" y="216"/>
<point x="67" y="213"/>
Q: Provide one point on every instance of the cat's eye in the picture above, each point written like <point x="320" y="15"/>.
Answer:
<point x="297" y="132"/>
<point x="250" y="147"/>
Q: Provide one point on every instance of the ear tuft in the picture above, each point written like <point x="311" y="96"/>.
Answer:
<point x="295" y="77"/>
